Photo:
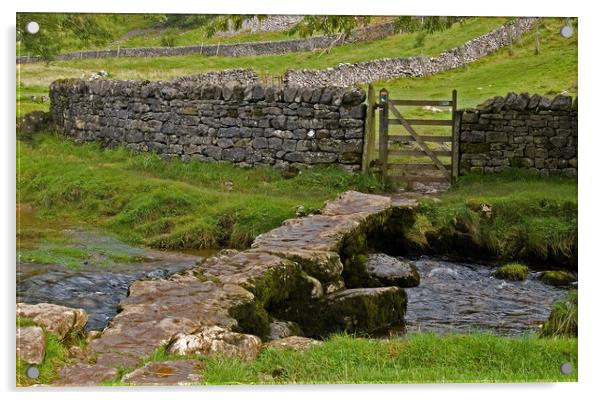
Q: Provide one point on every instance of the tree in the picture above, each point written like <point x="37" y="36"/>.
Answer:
<point x="57" y="30"/>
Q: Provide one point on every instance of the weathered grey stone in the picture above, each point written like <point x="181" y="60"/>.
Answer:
<point x="214" y="340"/>
<point x="59" y="320"/>
<point x="31" y="344"/>
<point x="561" y="102"/>
<point x="298" y="343"/>
<point x="392" y="271"/>
<point x="164" y="373"/>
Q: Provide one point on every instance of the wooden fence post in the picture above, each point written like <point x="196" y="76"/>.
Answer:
<point x="369" y="131"/>
<point x="456" y="123"/>
<point x="383" y="137"/>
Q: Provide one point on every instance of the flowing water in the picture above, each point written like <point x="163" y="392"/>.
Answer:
<point x="100" y="281"/>
<point x="464" y="297"/>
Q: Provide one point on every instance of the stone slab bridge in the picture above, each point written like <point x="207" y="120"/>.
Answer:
<point x="307" y="277"/>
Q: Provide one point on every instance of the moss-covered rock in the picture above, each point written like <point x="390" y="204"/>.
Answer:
<point x="512" y="272"/>
<point x="365" y="310"/>
<point x="557" y="278"/>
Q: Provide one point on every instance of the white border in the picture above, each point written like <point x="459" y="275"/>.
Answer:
<point x="589" y="203"/>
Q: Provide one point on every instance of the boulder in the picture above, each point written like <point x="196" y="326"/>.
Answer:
<point x="215" y="340"/>
<point x="31" y="344"/>
<point x="59" y="320"/>
<point x="178" y="372"/>
<point x="391" y="271"/>
<point x="283" y="329"/>
<point x="294" y="343"/>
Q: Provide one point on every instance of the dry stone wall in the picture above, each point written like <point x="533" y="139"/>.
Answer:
<point x="520" y="131"/>
<point x="186" y="119"/>
<point x="373" y="32"/>
<point x="390" y="68"/>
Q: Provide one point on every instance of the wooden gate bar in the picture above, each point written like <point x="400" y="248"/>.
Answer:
<point x="440" y="103"/>
<point x="418" y="153"/>
<point x="401" y="138"/>
<point x="440" y="122"/>
<point x="422" y="144"/>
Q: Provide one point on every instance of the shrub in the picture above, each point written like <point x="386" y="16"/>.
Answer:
<point x="169" y="39"/>
<point x="563" y="318"/>
<point x="513" y="272"/>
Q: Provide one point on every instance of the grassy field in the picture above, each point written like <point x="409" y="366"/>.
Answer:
<point x="173" y="204"/>
<point x="418" y="358"/>
<point x="170" y="67"/>
<point x="529" y="218"/>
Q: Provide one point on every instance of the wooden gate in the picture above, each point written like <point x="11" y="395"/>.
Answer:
<point x="411" y="154"/>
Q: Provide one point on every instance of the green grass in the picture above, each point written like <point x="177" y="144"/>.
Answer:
<point x="563" y="320"/>
<point x="513" y="271"/>
<point x="531" y="218"/>
<point x="167" y="204"/>
<point x="418" y="358"/>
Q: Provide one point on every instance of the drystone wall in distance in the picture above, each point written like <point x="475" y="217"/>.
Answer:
<point x="372" y="32"/>
<point x="185" y="119"/>
<point x="390" y="68"/>
<point x="520" y="131"/>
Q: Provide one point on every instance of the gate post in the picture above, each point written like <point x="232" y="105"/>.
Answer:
<point x="383" y="137"/>
<point x="369" y="131"/>
<point x="456" y="119"/>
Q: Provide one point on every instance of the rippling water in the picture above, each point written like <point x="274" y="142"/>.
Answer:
<point x="462" y="297"/>
<point x="98" y="291"/>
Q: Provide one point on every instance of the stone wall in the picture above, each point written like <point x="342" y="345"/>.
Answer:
<point x="372" y="32"/>
<point x="520" y="131"/>
<point x="243" y="124"/>
<point x="390" y="68"/>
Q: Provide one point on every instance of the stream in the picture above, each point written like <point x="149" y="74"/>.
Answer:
<point x="466" y="297"/>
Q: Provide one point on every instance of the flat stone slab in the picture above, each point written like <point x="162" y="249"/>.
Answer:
<point x="156" y="310"/>
<point x="85" y="375"/>
<point x="166" y="373"/>
<point x="31" y="344"/>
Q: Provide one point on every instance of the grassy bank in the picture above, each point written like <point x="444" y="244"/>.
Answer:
<point x="512" y="215"/>
<point x="418" y="358"/>
<point x="174" y="205"/>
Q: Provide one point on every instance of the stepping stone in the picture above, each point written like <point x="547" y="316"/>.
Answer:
<point x="166" y="373"/>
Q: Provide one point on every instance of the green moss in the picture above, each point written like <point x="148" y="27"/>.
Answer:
<point x="557" y="278"/>
<point x="513" y="272"/>
<point x="563" y="320"/>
